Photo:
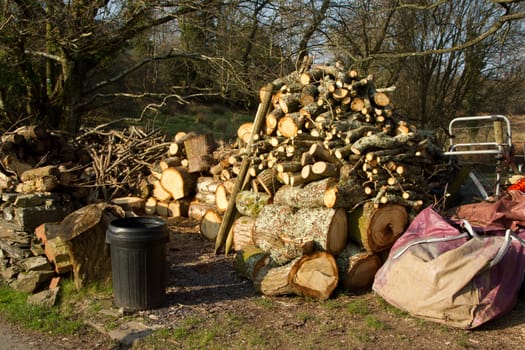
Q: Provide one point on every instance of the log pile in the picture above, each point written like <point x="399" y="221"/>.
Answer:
<point x="310" y="196"/>
<point x="341" y="175"/>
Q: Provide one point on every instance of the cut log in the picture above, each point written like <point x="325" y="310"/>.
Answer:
<point x="315" y="275"/>
<point x="199" y="150"/>
<point x="380" y="99"/>
<point x="325" y="169"/>
<point x="268" y="180"/>
<point x="179" y="207"/>
<point x="160" y="193"/>
<point x="308" y="175"/>
<point x="376" y="229"/>
<point x="357" y="267"/>
<point x="178" y="181"/>
<point x="250" y="260"/>
<point x="38" y="185"/>
<point x="289" y="102"/>
<point x="275" y="281"/>
<point x="130" y="204"/>
<point x="242" y="232"/>
<point x="150" y="206"/>
<point x="222" y="195"/>
<point x="326" y="227"/>
<point x="197" y="210"/>
<point x="162" y="208"/>
<point x="380" y="141"/>
<point x="244" y="132"/>
<point x="206" y="197"/>
<point x="345" y="194"/>
<point x="175" y="149"/>
<point x="250" y="203"/>
<point x="309" y="196"/>
<point x="272" y="120"/>
<point x="84" y="230"/>
<point x="209" y="225"/>
<point x="320" y="153"/>
<point x="269" y="225"/>
<point x="290" y="124"/>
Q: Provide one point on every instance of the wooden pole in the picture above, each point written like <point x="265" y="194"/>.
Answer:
<point x="262" y="110"/>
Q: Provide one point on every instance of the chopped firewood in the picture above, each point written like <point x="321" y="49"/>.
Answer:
<point x="209" y="224"/>
<point x="197" y="210"/>
<point x="178" y="182"/>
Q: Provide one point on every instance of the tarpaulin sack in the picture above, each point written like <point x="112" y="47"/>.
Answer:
<point x="445" y="274"/>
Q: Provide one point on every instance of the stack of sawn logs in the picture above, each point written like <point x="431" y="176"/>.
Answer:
<point x="334" y="178"/>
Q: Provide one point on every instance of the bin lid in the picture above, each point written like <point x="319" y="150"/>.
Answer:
<point x="137" y="229"/>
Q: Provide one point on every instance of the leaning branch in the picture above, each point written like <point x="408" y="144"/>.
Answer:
<point x="490" y="31"/>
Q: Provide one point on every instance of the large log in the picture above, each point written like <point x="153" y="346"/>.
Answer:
<point x="199" y="150"/>
<point x="269" y="225"/>
<point x="315" y="275"/>
<point x="357" y="267"/>
<point x="242" y="232"/>
<point x="377" y="228"/>
<point x="286" y="234"/>
<point x="309" y="196"/>
<point x="159" y="192"/>
<point x="84" y="230"/>
<point x="326" y="227"/>
<point x="250" y="203"/>
<point x="250" y="260"/>
<point x="275" y="281"/>
<point x="380" y="140"/>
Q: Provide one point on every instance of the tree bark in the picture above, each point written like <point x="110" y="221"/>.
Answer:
<point x="309" y="196"/>
<point x="243" y="231"/>
<point x="376" y="229"/>
<point x="250" y="203"/>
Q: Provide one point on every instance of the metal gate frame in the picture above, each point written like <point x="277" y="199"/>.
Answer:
<point x="500" y="148"/>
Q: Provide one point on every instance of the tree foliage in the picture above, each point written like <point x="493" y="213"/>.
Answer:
<point x="64" y="61"/>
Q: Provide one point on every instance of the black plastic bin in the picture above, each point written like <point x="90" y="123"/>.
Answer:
<point x="138" y="261"/>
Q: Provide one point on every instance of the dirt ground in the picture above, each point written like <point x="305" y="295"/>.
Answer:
<point x="210" y="307"/>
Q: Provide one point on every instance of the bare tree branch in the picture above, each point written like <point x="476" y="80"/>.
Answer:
<point x="490" y="31"/>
